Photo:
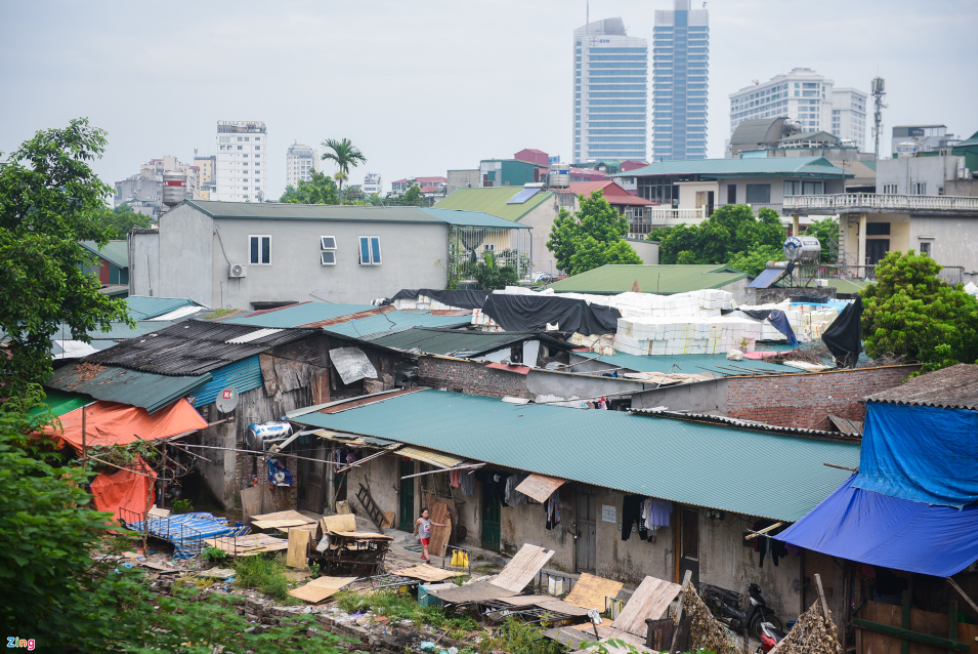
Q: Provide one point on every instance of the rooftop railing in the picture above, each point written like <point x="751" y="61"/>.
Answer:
<point x="793" y="203"/>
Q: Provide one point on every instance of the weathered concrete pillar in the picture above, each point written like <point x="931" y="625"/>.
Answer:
<point x="795" y="225"/>
<point x="862" y="240"/>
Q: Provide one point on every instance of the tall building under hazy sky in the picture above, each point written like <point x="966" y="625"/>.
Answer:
<point x="610" y="92"/>
<point x="680" y="71"/>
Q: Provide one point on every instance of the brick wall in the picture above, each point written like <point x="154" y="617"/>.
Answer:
<point x="806" y="400"/>
<point x="470" y="377"/>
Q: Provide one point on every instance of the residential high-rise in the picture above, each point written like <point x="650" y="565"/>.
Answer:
<point x="372" y="184"/>
<point x="207" y="172"/>
<point x="680" y="79"/>
<point x="807" y="97"/>
<point x="610" y="92"/>
<point x="241" y="166"/>
<point x="299" y="161"/>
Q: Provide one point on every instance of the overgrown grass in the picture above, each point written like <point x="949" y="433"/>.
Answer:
<point x="217" y="314"/>
<point x="398" y="606"/>
<point x="266" y="575"/>
<point x="519" y="638"/>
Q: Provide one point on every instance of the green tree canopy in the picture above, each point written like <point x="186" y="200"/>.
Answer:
<point x="910" y="311"/>
<point x="827" y="233"/>
<point x="320" y="189"/>
<point x="49" y="201"/>
<point x="345" y="155"/>
<point x="590" y="238"/>
<point x="122" y="219"/>
<point x="753" y="262"/>
<point x="731" y="230"/>
<point x="413" y="197"/>
<point x="491" y="276"/>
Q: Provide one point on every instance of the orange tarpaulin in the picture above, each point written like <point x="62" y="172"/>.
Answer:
<point x="108" y="423"/>
<point x="125" y="489"/>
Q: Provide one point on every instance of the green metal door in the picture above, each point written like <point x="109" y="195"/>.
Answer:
<point x="407" y="497"/>
<point x="491" y="521"/>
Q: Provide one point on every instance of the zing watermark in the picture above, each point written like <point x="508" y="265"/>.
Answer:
<point x="20" y="643"/>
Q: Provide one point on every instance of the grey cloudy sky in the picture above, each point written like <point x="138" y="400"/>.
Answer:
<point x="426" y="87"/>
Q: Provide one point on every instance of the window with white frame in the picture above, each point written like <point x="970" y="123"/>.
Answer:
<point x="260" y="248"/>
<point x="925" y="248"/>
<point x="327" y="255"/>
<point x="918" y="188"/>
<point x="889" y="189"/>
<point x="370" y="251"/>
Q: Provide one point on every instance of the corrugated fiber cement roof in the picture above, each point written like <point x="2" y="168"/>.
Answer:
<point x="300" y="314"/>
<point x="815" y="166"/>
<point x="393" y="322"/>
<point x="679" y="460"/>
<point x="493" y="201"/>
<point x="145" y="307"/>
<point x="662" y="280"/>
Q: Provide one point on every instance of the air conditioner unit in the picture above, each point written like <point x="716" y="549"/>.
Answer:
<point x="238" y="270"/>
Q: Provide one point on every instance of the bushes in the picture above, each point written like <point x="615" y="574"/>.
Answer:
<point x="266" y="575"/>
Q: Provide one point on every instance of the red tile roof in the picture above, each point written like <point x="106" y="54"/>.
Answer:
<point x="613" y="193"/>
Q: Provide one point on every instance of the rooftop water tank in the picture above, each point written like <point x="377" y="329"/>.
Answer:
<point x="802" y="249"/>
<point x="174" y="187"/>
<point x="559" y="176"/>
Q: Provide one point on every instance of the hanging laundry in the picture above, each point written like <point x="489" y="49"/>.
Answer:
<point x="277" y="474"/>
<point x="514" y="497"/>
<point x="553" y="511"/>
<point x="467" y="481"/>
<point x="631" y="513"/>
<point x="659" y="513"/>
<point x="453" y="478"/>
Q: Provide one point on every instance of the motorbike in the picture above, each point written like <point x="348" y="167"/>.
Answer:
<point x="770" y="636"/>
<point x="725" y="605"/>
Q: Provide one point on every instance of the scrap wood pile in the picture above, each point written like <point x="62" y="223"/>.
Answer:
<point x="706" y="632"/>
<point x="814" y="633"/>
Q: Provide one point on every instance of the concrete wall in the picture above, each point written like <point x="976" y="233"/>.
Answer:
<point x="462" y="179"/>
<point x="541" y="219"/>
<point x="188" y="252"/>
<point x="954" y="241"/>
<point x="777" y="188"/>
<point x="647" y="250"/>
<point x="807" y="399"/>
<point x="550" y="386"/>
<point x="702" y="397"/>
<point x="470" y="377"/>
<point x="688" y="190"/>
<point x="144" y="262"/>
<point x="899" y="232"/>
<point x="739" y="290"/>
<point x="906" y="171"/>
<point x="961" y="188"/>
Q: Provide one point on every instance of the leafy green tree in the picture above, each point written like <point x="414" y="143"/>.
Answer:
<point x="730" y="230"/>
<point x="590" y="238"/>
<point x="491" y="276"/>
<point x="345" y="155"/>
<point x="755" y="261"/>
<point x="827" y="233"/>
<point x="685" y="258"/>
<point x="320" y="189"/>
<point x="413" y="197"/>
<point x="910" y="311"/>
<point x="678" y="239"/>
<point x="49" y="201"/>
<point x="122" y="219"/>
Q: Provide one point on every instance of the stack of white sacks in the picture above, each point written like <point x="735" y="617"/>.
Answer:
<point x="421" y="303"/>
<point x="685" y="335"/>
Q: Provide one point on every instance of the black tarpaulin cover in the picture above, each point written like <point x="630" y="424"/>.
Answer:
<point x="844" y="335"/>
<point x="526" y="313"/>
<point x="463" y="299"/>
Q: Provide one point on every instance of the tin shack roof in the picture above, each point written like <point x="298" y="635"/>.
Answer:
<point x="111" y="384"/>
<point x="685" y="461"/>
<point x="458" y="342"/>
<point x="950" y="388"/>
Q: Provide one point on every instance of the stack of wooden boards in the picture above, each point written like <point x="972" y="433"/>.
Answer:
<point x="516" y="576"/>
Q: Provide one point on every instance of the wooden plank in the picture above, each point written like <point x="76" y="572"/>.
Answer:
<point x="821" y="596"/>
<point x="523" y="568"/>
<point x="426" y="573"/>
<point x="540" y="487"/>
<point x="439" y="535"/>
<point x="332" y="582"/>
<point x="925" y="622"/>
<point x="250" y="503"/>
<point x="280" y="519"/>
<point x="335" y="523"/>
<point x="478" y="592"/>
<point x="389" y="519"/>
<point x="649" y="601"/>
<point x="361" y="535"/>
<point x="906" y="634"/>
<point x="687" y="580"/>
<point x="298" y="554"/>
<point x="560" y="606"/>
<point x="586" y="626"/>
<point x="589" y="591"/>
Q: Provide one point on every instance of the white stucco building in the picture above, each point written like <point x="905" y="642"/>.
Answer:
<point x="807" y="97"/>
<point x="241" y="161"/>
<point x="300" y="160"/>
<point x="372" y="183"/>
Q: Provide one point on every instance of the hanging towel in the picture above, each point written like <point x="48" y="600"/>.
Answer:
<point x="453" y="479"/>
<point x="659" y="512"/>
<point x="467" y="482"/>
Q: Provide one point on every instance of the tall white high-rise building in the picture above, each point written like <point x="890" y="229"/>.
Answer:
<point x="372" y="183"/>
<point x="807" y="97"/>
<point x="610" y="92"/>
<point x="299" y="161"/>
<point x="241" y="162"/>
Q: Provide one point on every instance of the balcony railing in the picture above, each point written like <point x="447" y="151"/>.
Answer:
<point x="799" y="203"/>
<point x="642" y="220"/>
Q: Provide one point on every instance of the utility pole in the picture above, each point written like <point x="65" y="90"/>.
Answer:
<point x="878" y="93"/>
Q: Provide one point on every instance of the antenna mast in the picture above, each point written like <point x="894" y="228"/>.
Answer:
<point x="878" y="93"/>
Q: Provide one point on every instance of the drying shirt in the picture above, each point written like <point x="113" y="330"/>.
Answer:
<point x="424" y="529"/>
<point x="467" y="480"/>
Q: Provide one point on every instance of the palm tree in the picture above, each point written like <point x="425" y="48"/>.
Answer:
<point x="345" y="154"/>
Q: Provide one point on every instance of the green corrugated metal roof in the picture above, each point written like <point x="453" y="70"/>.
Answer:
<point x="115" y="252"/>
<point x="731" y="167"/>
<point x="143" y="389"/>
<point x="688" y="363"/>
<point x="451" y="341"/>
<point x="61" y="403"/>
<point x="684" y="461"/>
<point x="145" y="307"/>
<point x="243" y="376"/>
<point x="493" y="201"/>
<point x="286" y="211"/>
<point x="302" y="314"/>
<point x="393" y="322"/>
<point x="661" y="279"/>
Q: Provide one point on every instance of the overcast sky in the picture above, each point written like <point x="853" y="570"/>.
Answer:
<point x="426" y="87"/>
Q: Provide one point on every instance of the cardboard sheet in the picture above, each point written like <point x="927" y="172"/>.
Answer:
<point x="426" y="573"/>
<point x="589" y="591"/>
<point x="298" y="554"/>
<point x="649" y="602"/>
<point x="280" y="519"/>
<point x="250" y="503"/>
<point x="523" y="568"/>
<point x="336" y="523"/>
<point x="362" y="535"/>
<point x="321" y="589"/>
<point x="540" y="487"/>
<point x="248" y="545"/>
<point x="478" y="592"/>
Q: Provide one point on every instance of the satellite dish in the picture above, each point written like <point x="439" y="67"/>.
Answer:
<point x="227" y="400"/>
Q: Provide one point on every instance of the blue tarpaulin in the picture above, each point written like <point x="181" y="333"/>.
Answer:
<point x="919" y="453"/>
<point x="187" y="531"/>
<point x="891" y="532"/>
<point x="780" y="322"/>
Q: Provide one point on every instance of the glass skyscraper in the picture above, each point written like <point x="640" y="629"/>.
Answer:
<point x="680" y="71"/>
<point x="610" y="92"/>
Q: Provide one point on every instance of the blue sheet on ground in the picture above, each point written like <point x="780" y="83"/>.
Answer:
<point x="868" y="527"/>
<point x="187" y="531"/>
<point x="920" y="453"/>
